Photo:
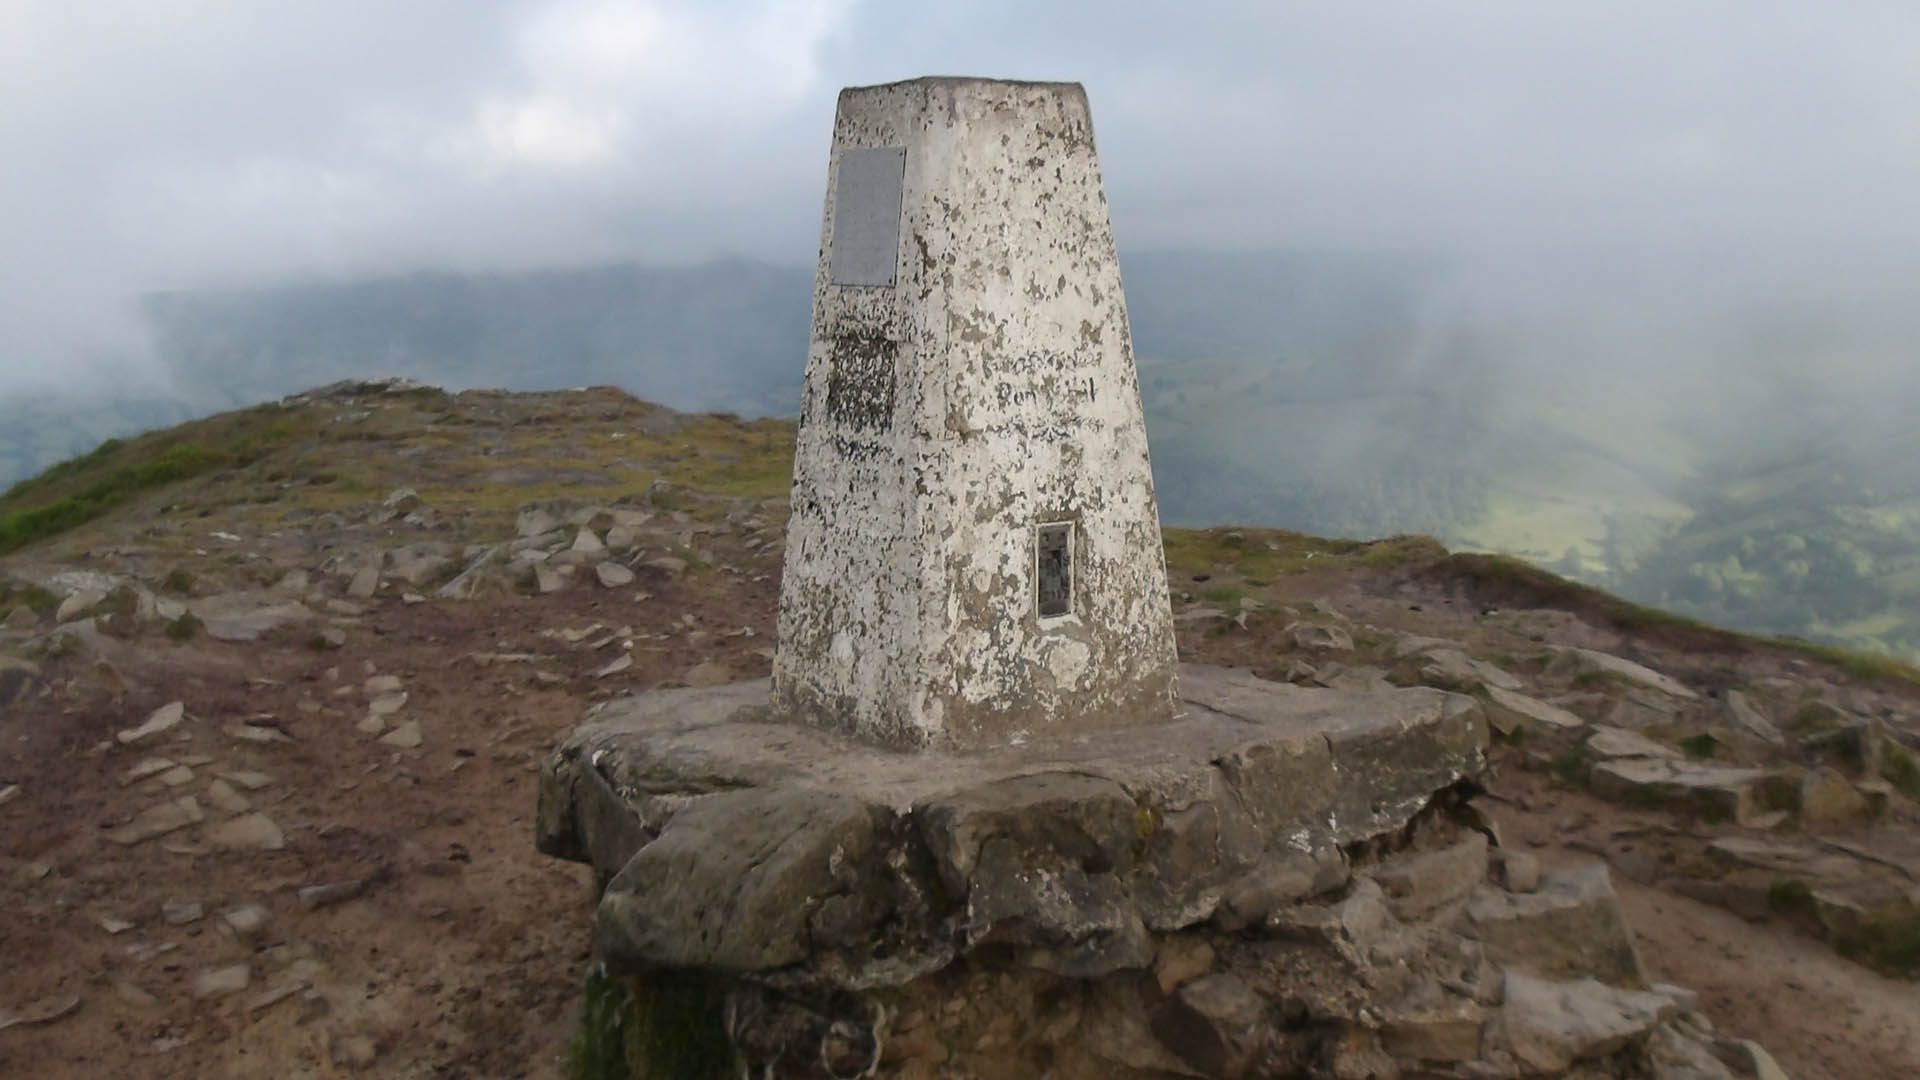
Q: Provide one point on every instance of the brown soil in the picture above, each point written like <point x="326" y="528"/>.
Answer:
<point x="464" y="954"/>
<point x="463" y="957"/>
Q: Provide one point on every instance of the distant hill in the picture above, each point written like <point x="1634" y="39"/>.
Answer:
<point x="1738" y="460"/>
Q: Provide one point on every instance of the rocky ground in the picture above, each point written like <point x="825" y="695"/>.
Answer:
<point x="269" y="737"/>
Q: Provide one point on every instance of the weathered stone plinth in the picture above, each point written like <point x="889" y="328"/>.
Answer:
<point x="1281" y="882"/>
<point x="743" y="844"/>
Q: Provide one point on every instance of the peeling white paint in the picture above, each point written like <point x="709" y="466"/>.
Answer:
<point x="990" y="390"/>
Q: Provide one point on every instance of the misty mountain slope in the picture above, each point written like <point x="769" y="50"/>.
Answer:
<point x="725" y="336"/>
<point x="1678" y="456"/>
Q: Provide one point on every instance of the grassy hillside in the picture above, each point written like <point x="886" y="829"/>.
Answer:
<point x="481" y="454"/>
<point x="1751" y="465"/>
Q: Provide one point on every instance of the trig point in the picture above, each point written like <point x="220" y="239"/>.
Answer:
<point x="1073" y="872"/>
<point x="974" y="555"/>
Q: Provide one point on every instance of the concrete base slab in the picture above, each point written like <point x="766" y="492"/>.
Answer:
<point x="740" y="843"/>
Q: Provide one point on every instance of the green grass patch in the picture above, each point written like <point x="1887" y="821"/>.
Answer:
<point x="598" y="1048"/>
<point x="36" y="599"/>
<point x="1506" y="581"/>
<point x="1860" y="665"/>
<point x="185" y="628"/>
<point x="1270" y="554"/>
<point x="1890" y="941"/>
<point x="1572" y="764"/>
<point x="82" y="489"/>
<point x="1901" y="768"/>
<point x="55" y="646"/>
<point x="1699" y="747"/>
<point x="665" y="1026"/>
<point x="1224" y="595"/>
<point x="1791" y="897"/>
<point x="1146" y="822"/>
<point x="1815" y="719"/>
<point x="18" y="528"/>
<point x="1601" y="681"/>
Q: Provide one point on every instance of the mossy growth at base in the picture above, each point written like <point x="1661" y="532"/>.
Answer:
<point x="1901" y="768"/>
<point x="32" y="597"/>
<point x="660" y="1026"/>
<point x="1887" y="940"/>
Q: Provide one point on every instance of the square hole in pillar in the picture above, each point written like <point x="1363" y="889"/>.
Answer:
<point x="1053" y="569"/>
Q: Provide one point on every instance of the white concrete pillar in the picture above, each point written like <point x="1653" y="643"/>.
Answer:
<point x="974" y="555"/>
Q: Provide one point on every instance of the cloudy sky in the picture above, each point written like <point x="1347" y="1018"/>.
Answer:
<point x="182" y="143"/>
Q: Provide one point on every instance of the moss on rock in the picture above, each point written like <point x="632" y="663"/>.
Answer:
<point x="660" y="1026"/>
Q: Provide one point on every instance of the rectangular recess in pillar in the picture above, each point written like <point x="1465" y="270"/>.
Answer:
<point x="866" y="216"/>
<point x="860" y="383"/>
<point x="1053" y="569"/>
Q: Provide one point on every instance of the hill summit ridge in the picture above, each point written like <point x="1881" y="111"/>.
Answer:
<point x="234" y="652"/>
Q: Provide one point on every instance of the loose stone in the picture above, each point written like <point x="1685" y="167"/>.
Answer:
<point x="178" y="776"/>
<point x="77" y="605"/>
<point x="159" y="820"/>
<point x="247" y="920"/>
<point x="1320" y="636"/>
<point x="222" y="981"/>
<point x="1533" y="709"/>
<point x="1550" y="1025"/>
<point x="256" y="830"/>
<point x="182" y="912"/>
<point x="255" y="733"/>
<point x="406" y="735"/>
<point x="44" y="1011"/>
<point x="160" y="721"/>
<point x="152" y="766"/>
<point x="313" y="897"/>
<point x="276" y="994"/>
<point x="612" y="575"/>
<point x="134" y="995"/>
<point x="250" y="781"/>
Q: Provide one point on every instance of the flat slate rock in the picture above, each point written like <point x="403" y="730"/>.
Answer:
<point x="1532" y="708"/>
<point x="699" y="801"/>
<point x="1570" y="922"/>
<point x="254" y="830"/>
<point x="1728" y="791"/>
<point x="159" y="820"/>
<point x="1595" y="661"/>
<point x="1549" y="1025"/>
<point x="1611" y="742"/>
<point x="159" y="722"/>
<point x="245" y="616"/>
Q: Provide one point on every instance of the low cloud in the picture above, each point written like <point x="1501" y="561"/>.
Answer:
<point x="158" y="144"/>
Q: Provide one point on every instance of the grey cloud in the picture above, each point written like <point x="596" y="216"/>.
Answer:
<point x="173" y="144"/>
